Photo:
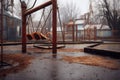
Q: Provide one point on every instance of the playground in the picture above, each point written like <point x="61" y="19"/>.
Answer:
<point x="71" y="63"/>
<point x="64" y="53"/>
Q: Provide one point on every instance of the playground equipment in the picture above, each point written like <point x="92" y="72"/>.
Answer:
<point x="70" y="29"/>
<point x="72" y="33"/>
<point x="26" y="12"/>
<point x="90" y="33"/>
<point x="38" y="33"/>
<point x="1" y="34"/>
<point x="41" y="33"/>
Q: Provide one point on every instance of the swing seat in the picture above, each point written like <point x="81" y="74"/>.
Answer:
<point x="36" y="35"/>
<point x="43" y="36"/>
<point x="39" y="36"/>
<point x="29" y="37"/>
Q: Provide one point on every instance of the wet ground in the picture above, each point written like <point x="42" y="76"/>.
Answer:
<point x="45" y="67"/>
<point x="109" y="46"/>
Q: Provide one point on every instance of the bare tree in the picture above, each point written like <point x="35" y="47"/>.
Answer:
<point x="17" y="6"/>
<point x="110" y="11"/>
<point x="69" y="11"/>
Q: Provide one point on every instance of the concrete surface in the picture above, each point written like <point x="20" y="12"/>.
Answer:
<point x="44" y="67"/>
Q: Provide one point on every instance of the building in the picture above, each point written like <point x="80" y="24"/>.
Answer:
<point x="12" y="27"/>
<point x="73" y="29"/>
<point x="11" y="24"/>
<point x="102" y="31"/>
<point x="78" y="30"/>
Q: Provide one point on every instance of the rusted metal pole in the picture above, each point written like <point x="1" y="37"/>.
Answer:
<point x="84" y="34"/>
<point x="76" y="32"/>
<point x="64" y="32"/>
<point x="1" y="33"/>
<point x="38" y="8"/>
<point x="24" y="7"/>
<point x="88" y="33"/>
<point x="73" y="33"/>
<point x="95" y="33"/>
<point x="54" y="26"/>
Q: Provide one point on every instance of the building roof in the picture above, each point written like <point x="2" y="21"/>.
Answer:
<point x="8" y="13"/>
<point x="79" y="22"/>
<point x="12" y="15"/>
<point x="70" y="22"/>
<point x="98" y="26"/>
<point x="76" y="22"/>
<point x="105" y="27"/>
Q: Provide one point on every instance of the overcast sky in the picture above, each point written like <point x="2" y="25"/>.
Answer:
<point x="82" y="5"/>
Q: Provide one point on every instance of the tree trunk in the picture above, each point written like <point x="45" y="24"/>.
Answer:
<point x="116" y="33"/>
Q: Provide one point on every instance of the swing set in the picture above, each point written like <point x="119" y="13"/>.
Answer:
<point x="42" y="34"/>
<point x="36" y="34"/>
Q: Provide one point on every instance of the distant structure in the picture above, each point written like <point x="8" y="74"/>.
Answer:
<point x="11" y="23"/>
<point x="84" y="29"/>
<point x="72" y="29"/>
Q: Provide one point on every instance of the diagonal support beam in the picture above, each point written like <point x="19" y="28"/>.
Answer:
<point x="38" y="8"/>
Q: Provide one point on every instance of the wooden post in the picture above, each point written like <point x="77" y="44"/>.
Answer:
<point x="1" y="33"/>
<point x="24" y="7"/>
<point x="88" y="33"/>
<point x="76" y="32"/>
<point x="73" y="32"/>
<point x="95" y="33"/>
<point x="64" y="32"/>
<point x="84" y="34"/>
<point x="54" y="26"/>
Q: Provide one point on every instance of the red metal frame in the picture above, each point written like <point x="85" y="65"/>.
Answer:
<point x="1" y="33"/>
<point x="24" y="7"/>
<point x="54" y="25"/>
<point x="89" y="32"/>
<point x="74" y="31"/>
<point x="38" y="8"/>
<point x="26" y="12"/>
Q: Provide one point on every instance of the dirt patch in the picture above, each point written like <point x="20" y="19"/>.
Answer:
<point x="94" y="61"/>
<point x="21" y="60"/>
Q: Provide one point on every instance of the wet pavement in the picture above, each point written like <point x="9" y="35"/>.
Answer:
<point x="109" y="46"/>
<point x="44" y="67"/>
